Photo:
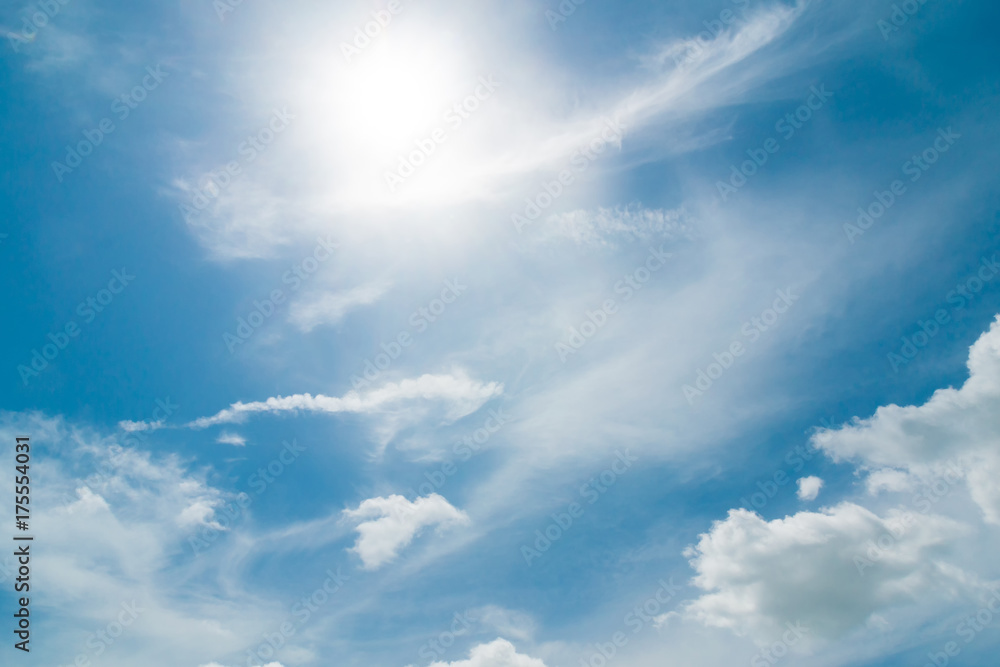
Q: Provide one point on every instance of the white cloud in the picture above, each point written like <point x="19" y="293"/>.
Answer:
<point x="761" y="574"/>
<point x="809" y="487"/>
<point x="498" y="653"/>
<point x="956" y="429"/>
<point x="395" y="521"/>
<point x="143" y="508"/>
<point x="462" y="395"/>
<point x="199" y="513"/>
<point x="57" y="49"/>
<point x="503" y="621"/>
<point x="848" y="567"/>
<point x="134" y="427"/>
<point x="330" y="308"/>
<point x="609" y="226"/>
<point x="532" y="126"/>
<point x="228" y="438"/>
<point x="888" y="479"/>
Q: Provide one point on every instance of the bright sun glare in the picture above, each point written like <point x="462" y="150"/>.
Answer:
<point x="394" y="92"/>
<point x="368" y="113"/>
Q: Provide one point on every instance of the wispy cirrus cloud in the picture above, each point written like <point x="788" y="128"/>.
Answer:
<point x="139" y="426"/>
<point x="540" y="131"/>
<point x="330" y="308"/>
<point x="460" y="394"/>
<point x="611" y="226"/>
<point x="143" y="507"/>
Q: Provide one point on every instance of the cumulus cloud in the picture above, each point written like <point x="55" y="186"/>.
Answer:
<point x="330" y="308"/>
<point x="956" y="429"/>
<point x="393" y="522"/>
<point x="461" y="394"/>
<point x="815" y="568"/>
<point x="809" y="487"/>
<point x="498" y="653"/>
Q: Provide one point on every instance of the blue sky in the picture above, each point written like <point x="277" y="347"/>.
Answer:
<point x="357" y="320"/>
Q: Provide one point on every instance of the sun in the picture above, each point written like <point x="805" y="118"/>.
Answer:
<point x="395" y="91"/>
<point x="368" y="114"/>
